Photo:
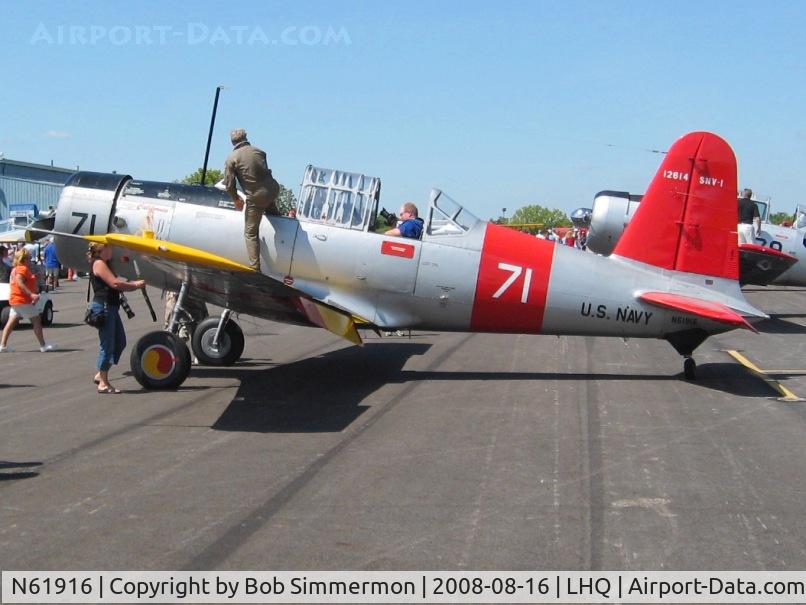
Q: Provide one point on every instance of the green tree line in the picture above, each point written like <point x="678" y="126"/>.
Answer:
<point x="535" y="214"/>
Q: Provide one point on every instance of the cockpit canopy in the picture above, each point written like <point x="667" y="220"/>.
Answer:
<point x="350" y="200"/>
<point x="342" y="199"/>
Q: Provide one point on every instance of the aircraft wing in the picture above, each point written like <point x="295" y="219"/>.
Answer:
<point x="226" y="283"/>
<point x="707" y="309"/>
<point x="759" y="265"/>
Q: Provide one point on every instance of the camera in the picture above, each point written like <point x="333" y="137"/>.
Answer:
<point x="126" y="308"/>
<point x="390" y="218"/>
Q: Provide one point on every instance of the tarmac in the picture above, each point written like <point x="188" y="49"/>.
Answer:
<point x="439" y="451"/>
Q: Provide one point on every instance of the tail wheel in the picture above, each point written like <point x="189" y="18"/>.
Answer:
<point x="47" y="314"/>
<point x="230" y="343"/>
<point x="160" y="360"/>
<point x="5" y="314"/>
<point x="690" y="368"/>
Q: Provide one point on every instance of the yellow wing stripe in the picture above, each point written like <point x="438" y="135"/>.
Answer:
<point x="167" y="250"/>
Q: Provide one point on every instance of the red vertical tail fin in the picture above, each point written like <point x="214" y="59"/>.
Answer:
<point x="687" y="219"/>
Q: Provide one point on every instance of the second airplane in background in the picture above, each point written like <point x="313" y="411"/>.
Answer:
<point x="772" y="259"/>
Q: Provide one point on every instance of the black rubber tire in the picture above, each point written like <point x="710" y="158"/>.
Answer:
<point x="690" y="368"/>
<point x="230" y="343"/>
<point x="47" y="314"/>
<point x="166" y="371"/>
<point x="5" y="313"/>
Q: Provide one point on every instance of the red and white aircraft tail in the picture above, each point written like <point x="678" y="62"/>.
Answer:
<point x="687" y="219"/>
<point x="687" y="223"/>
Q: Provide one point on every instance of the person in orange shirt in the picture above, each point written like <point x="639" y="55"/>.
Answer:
<point x="23" y="297"/>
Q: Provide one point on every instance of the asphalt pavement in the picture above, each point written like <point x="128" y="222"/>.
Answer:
<point x="439" y="451"/>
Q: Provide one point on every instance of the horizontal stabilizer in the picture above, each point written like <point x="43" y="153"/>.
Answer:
<point x="759" y="265"/>
<point x="706" y="309"/>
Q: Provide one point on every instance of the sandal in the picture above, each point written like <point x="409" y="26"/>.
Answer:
<point x="109" y="391"/>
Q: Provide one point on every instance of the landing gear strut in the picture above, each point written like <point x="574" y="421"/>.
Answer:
<point x="684" y="343"/>
<point x="176" y="312"/>
<point x="161" y="360"/>
<point x="689" y="368"/>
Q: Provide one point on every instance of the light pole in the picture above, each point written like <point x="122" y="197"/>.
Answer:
<point x="210" y="135"/>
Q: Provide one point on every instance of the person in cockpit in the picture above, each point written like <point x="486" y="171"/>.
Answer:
<point x="247" y="164"/>
<point x="410" y="225"/>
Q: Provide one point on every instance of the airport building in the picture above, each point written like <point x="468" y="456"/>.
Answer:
<point x="26" y="183"/>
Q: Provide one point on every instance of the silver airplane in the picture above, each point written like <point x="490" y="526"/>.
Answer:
<point x="773" y="259"/>
<point x="328" y="268"/>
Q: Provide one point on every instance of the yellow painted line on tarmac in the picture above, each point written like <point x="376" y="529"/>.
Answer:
<point x="745" y="362"/>
<point x="786" y="394"/>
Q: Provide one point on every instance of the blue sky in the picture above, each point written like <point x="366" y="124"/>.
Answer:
<point x="501" y="104"/>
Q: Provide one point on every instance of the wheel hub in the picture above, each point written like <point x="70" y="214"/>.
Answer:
<point x="210" y="348"/>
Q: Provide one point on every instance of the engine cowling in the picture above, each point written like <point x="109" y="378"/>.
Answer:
<point x="86" y="207"/>
<point x="612" y="212"/>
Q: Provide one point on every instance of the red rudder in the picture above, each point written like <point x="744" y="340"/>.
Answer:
<point x="687" y="219"/>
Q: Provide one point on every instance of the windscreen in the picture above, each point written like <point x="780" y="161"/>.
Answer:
<point x="448" y="217"/>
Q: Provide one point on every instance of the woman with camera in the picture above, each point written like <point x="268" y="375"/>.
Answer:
<point x="106" y="300"/>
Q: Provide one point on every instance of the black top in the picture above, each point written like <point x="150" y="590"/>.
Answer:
<point x="101" y="291"/>
<point x="747" y="210"/>
<point x="96" y="180"/>
<point x="5" y="272"/>
<point x="178" y="192"/>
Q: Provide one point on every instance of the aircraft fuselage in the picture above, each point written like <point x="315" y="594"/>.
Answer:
<point x="485" y="279"/>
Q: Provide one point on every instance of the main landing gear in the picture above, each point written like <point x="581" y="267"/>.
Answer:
<point x="684" y="343"/>
<point x="218" y="341"/>
<point x="162" y="360"/>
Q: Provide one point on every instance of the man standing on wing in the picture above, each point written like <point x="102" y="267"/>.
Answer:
<point x="247" y="164"/>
